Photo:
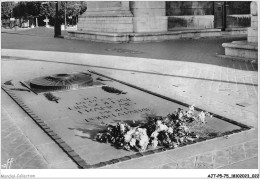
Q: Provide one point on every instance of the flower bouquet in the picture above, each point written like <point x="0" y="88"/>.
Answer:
<point x="169" y="131"/>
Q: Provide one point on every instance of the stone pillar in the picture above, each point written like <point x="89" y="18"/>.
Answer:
<point x="149" y="16"/>
<point x="106" y="16"/>
<point x="253" y="30"/>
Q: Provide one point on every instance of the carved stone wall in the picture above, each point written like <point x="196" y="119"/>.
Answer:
<point x="124" y="21"/>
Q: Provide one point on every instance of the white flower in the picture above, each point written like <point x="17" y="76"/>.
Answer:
<point x="154" y="143"/>
<point x="189" y="113"/>
<point x="132" y="142"/>
<point x="162" y="127"/>
<point x="158" y="123"/>
<point x="175" y="145"/>
<point x="144" y="142"/>
<point x="138" y="133"/>
<point x="180" y="115"/>
<point x="189" y="138"/>
<point x="170" y="130"/>
<point x="191" y="108"/>
<point x="122" y="128"/>
<point x="185" y="128"/>
<point x="155" y="134"/>
<point x="129" y="135"/>
<point x="201" y="117"/>
<point x="181" y="140"/>
<point x="141" y="130"/>
<point x="141" y="136"/>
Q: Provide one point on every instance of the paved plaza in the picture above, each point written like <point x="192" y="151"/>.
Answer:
<point x="188" y="70"/>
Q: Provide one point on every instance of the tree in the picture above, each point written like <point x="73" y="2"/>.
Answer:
<point x="73" y="9"/>
<point x="20" y="10"/>
<point x="7" y="9"/>
<point x="33" y="9"/>
<point x="26" y="9"/>
<point x="47" y="9"/>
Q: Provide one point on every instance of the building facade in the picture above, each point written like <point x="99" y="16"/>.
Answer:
<point x="134" y="18"/>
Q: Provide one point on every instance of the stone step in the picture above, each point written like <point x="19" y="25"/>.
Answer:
<point x="249" y="60"/>
<point x="241" y="49"/>
<point x="98" y="36"/>
<point x="150" y="36"/>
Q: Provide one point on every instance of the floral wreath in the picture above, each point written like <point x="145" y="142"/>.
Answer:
<point x="169" y="131"/>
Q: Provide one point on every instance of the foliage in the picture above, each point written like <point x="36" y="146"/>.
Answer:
<point x="25" y="9"/>
<point x="51" y="97"/>
<point x="20" y="10"/>
<point x="6" y="9"/>
<point x="75" y="8"/>
<point x="113" y="90"/>
<point x="48" y="9"/>
<point x="169" y="131"/>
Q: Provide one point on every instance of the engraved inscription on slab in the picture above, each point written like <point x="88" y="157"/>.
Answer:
<point x="103" y="108"/>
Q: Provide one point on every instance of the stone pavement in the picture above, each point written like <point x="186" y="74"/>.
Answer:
<point x="34" y="149"/>
<point x="208" y="85"/>
<point x="15" y="145"/>
<point x="185" y="70"/>
<point x="189" y="50"/>
<point x="216" y="159"/>
<point x="213" y="88"/>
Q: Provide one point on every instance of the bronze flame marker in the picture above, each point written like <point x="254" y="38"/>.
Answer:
<point x="62" y="81"/>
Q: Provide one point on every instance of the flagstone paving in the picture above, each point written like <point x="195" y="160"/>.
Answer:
<point x="15" y="145"/>
<point x="210" y="160"/>
<point x="26" y="143"/>
<point x="227" y="88"/>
